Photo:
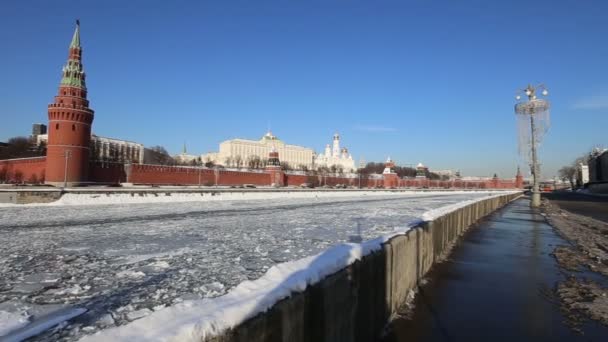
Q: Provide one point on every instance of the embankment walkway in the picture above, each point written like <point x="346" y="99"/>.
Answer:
<point x="498" y="285"/>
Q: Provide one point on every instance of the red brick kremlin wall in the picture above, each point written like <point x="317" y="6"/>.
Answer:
<point x="23" y="170"/>
<point x="156" y="174"/>
<point x="32" y="170"/>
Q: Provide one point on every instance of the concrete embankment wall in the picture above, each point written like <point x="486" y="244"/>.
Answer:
<point x="356" y="303"/>
<point x="25" y="197"/>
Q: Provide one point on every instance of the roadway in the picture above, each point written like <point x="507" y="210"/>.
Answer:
<point x="579" y="203"/>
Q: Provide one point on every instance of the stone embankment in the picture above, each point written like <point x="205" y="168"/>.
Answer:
<point x="27" y="196"/>
<point x="356" y="303"/>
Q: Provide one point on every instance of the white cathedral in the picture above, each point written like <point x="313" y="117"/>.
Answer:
<point x="335" y="156"/>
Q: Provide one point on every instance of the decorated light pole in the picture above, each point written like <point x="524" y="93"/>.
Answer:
<point x="67" y="154"/>
<point x="533" y="122"/>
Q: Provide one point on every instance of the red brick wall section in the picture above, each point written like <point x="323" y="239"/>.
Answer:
<point x="23" y="170"/>
<point x="297" y="180"/>
<point x="109" y="173"/>
<point x="156" y="174"/>
<point x="238" y="178"/>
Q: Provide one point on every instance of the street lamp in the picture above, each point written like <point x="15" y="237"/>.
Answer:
<point x="536" y="112"/>
<point x="361" y="167"/>
<point x="216" y="173"/>
<point x="200" y="166"/>
<point x="67" y="154"/>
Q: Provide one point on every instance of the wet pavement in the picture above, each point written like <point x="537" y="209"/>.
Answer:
<point x="498" y="285"/>
<point x="592" y="206"/>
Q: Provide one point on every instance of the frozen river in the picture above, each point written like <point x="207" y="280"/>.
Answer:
<point x="123" y="261"/>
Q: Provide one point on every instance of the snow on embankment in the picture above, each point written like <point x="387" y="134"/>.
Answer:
<point x="168" y="196"/>
<point x="195" y="320"/>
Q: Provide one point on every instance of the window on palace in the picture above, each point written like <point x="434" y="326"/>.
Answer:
<point x="56" y="126"/>
<point x="73" y="127"/>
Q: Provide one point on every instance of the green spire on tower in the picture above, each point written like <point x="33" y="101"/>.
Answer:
<point x="76" y="37"/>
<point x="73" y="73"/>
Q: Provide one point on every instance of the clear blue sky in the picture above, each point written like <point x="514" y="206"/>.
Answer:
<point x="422" y="81"/>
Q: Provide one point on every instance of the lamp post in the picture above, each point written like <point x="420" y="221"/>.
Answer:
<point x="67" y="154"/>
<point x="216" y="173"/>
<point x="361" y="167"/>
<point x="537" y="110"/>
<point x="200" y="166"/>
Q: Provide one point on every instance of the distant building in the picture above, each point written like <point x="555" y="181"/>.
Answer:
<point x="109" y="149"/>
<point x="38" y="129"/>
<point x="582" y="174"/>
<point x="598" y="165"/>
<point x="335" y="156"/>
<point x="240" y="152"/>
<point x="421" y="170"/>
<point x="184" y="157"/>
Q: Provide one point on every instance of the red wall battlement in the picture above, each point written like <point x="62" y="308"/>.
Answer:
<point x="156" y="174"/>
<point x="108" y="173"/>
<point x="23" y="170"/>
<point x="32" y="170"/>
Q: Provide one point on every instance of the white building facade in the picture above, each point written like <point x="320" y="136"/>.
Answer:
<point x="335" y="156"/>
<point x="109" y="149"/>
<point x="239" y="152"/>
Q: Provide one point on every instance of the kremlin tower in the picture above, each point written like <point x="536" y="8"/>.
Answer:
<point x="273" y="167"/>
<point x="519" y="179"/>
<point x="70" y="120"/>
<point x="391" y="179"/>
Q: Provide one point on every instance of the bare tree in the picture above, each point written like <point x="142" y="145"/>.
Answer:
<point x="3" y="174"/>
<point x="285" y="166"/>
<point x="18" y="177"/>
<point x="22" y="147"/>
<point x="228" y="161"/>
<point x="254" y="162"/>
<point x="238" y="161"/>
<point x="568" y="173"/>
<point x="158" y="153"/>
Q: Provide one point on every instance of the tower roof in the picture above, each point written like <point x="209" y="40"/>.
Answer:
<point x="76" y="37"/>
<point x="73" y="72"/>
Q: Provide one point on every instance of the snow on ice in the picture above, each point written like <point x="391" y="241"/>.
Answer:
<point x="209" y="264"/>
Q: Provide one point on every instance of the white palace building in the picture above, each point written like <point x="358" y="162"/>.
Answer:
<point x="240" y="151"/>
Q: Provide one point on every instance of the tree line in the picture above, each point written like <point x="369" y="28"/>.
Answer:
<point x="22" y="147"/>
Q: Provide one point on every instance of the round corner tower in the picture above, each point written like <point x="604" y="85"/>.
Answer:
<point x="70" y="120"/>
